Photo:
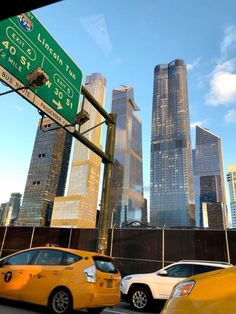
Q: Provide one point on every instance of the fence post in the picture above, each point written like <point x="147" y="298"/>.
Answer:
<point x="32" y="237"/>
<point x="3" y="241"/>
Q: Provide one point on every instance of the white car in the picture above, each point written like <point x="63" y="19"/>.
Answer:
<point x="141" y="289"/>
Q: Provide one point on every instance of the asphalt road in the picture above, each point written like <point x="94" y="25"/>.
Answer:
<point x="12" y="307"/>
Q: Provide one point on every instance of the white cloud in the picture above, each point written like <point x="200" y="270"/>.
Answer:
<point x="230" y="116"/>
<point x="229" y="39"/>
<point x="194" y="64"/>
<point x="19" y="108"/>
<point x="197" y="123"/>
<point x="223" y="84"/>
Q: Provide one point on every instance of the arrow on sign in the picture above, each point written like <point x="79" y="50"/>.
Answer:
<point x="57" y="103"/>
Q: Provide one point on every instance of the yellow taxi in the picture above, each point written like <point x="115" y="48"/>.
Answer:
<point x="62" y="279"/>
<point x="209" y="293"/>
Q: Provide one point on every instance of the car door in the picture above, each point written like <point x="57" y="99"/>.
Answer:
<point x="13" y="274"/>
<point x="44" y="274"/>
<point x="174" y="274"/>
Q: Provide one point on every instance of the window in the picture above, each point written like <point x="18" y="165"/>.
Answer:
<point x="71" y="259"/>
<point x="182" y="271"/>
<point x="49" y="257"/>
<point x="199" y="269"/>
<point x="104" y="265"/>
<point x="24" y="258"/>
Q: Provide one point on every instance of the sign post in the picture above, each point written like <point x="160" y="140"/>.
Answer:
<point x="26" y="45"/>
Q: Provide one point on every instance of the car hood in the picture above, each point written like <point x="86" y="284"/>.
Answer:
<point x="147" y="275"/>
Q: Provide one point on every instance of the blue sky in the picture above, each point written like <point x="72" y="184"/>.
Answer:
<point x="125" y="40"/>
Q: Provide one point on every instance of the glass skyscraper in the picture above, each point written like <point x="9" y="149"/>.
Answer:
<point x="79" y="207"/>
<point x="209" y="186"/>
<point x="127" y="201"/>
<point x="47" y="174"/>
<point x="171" y="177"/>
<point x="231" y="178"/>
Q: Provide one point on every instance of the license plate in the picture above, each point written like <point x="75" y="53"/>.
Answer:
<point x="109" y="283"/>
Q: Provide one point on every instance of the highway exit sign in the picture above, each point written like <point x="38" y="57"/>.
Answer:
<point x="26" y="45"/>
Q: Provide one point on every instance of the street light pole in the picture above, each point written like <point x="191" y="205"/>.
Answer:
<point x="106" y="189"/>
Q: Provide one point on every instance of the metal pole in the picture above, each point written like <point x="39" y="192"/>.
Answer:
<point x="227" y="245"/>
<point x="32" y="237"/>
<point x="3" y="241"/>
<point x="106" y="189"/>
<point x="163" y="248"/>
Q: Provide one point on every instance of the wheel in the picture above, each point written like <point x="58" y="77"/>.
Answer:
<point x="95" y="310"/>
<point x="60" y="301"/>
<point x="140" y="298"/>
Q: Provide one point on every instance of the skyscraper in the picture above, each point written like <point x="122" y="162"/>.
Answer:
<point x="127" y="199"/>
<point x="208" y="172"/>
<point x="171" y="178"/>
<point x="47" y="174"/>
<point x="9" y="211"/>
<point x="79" y="207"/>
<point x="231" y="178"/>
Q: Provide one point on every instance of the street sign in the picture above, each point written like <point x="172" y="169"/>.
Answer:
<point x="26" y="45"/>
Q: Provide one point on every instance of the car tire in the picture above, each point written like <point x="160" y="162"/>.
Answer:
<point x="60" y="301"/>
<point x="95" y="310"/>
<point x="140" y="298"/>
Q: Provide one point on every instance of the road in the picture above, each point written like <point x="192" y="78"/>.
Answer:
<point x="12" y="307"/>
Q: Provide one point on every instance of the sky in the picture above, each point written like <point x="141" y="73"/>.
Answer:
<point x="124" y="41"/>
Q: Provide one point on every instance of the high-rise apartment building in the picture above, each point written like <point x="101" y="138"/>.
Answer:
<point x="231" y="178"/>
<point x="79" y="207"/>
<point x="209" y="186"/>
<point x="127" y="201"/>
<point x="47" y="174"/>
<point x="171" y="178"/>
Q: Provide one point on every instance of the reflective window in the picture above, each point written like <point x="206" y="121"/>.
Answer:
<point x="182" y="271"/>
<point x="24" y="258"/>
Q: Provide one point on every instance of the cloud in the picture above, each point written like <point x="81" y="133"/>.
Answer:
<point x="19" y="108"/>
<point x="230" y="116"/>
<point x="223" y="84"/>
<point x="194" y="64"/>
<point x="197" y="123"/>
<point x="95" y="26"/>
<point x="229" y="40"/>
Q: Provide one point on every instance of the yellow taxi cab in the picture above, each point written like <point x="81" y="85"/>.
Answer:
<point x="209" y="293"/>
<point x="62" y="279"/>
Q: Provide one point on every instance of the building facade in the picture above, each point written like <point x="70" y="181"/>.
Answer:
<point x="171" y="178"/>
<point x="47" y="174"/>
<point x="79" y="207"/>
<point x="209" y="185"/>
<point x="127" y="201"/>
<point x="231" y="178"/>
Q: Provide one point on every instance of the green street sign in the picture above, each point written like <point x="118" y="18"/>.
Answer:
<point x="26" y="45"/>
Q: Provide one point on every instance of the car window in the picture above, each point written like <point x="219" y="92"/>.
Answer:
<point x="23" y="258"/>
<point x="181" y="270"/>
<point x="104" y="265"/>
<point x="49" y="257"/>
<point x="199" y="269"/>
<point x="70" y="258"/>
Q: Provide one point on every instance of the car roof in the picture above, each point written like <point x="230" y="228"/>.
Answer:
<point x="82" y="253"/>
<point x="206" y="262"/>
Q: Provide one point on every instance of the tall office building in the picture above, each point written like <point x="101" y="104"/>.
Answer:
<point x="47" y="174"/>
<point x="208" y="172"/>
<point x="231" y="178"/>
<point x="127" y="201"/>
<point x="9" y="211"/>
<point x="171" y="177"/>
<point x="79" y="207"/>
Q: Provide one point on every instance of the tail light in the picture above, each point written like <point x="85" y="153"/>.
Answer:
<point x="90" y="273"/>
<point x="183" y="289"/>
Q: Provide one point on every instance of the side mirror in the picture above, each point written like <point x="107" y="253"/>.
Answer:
<point x="162" y="272"/>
